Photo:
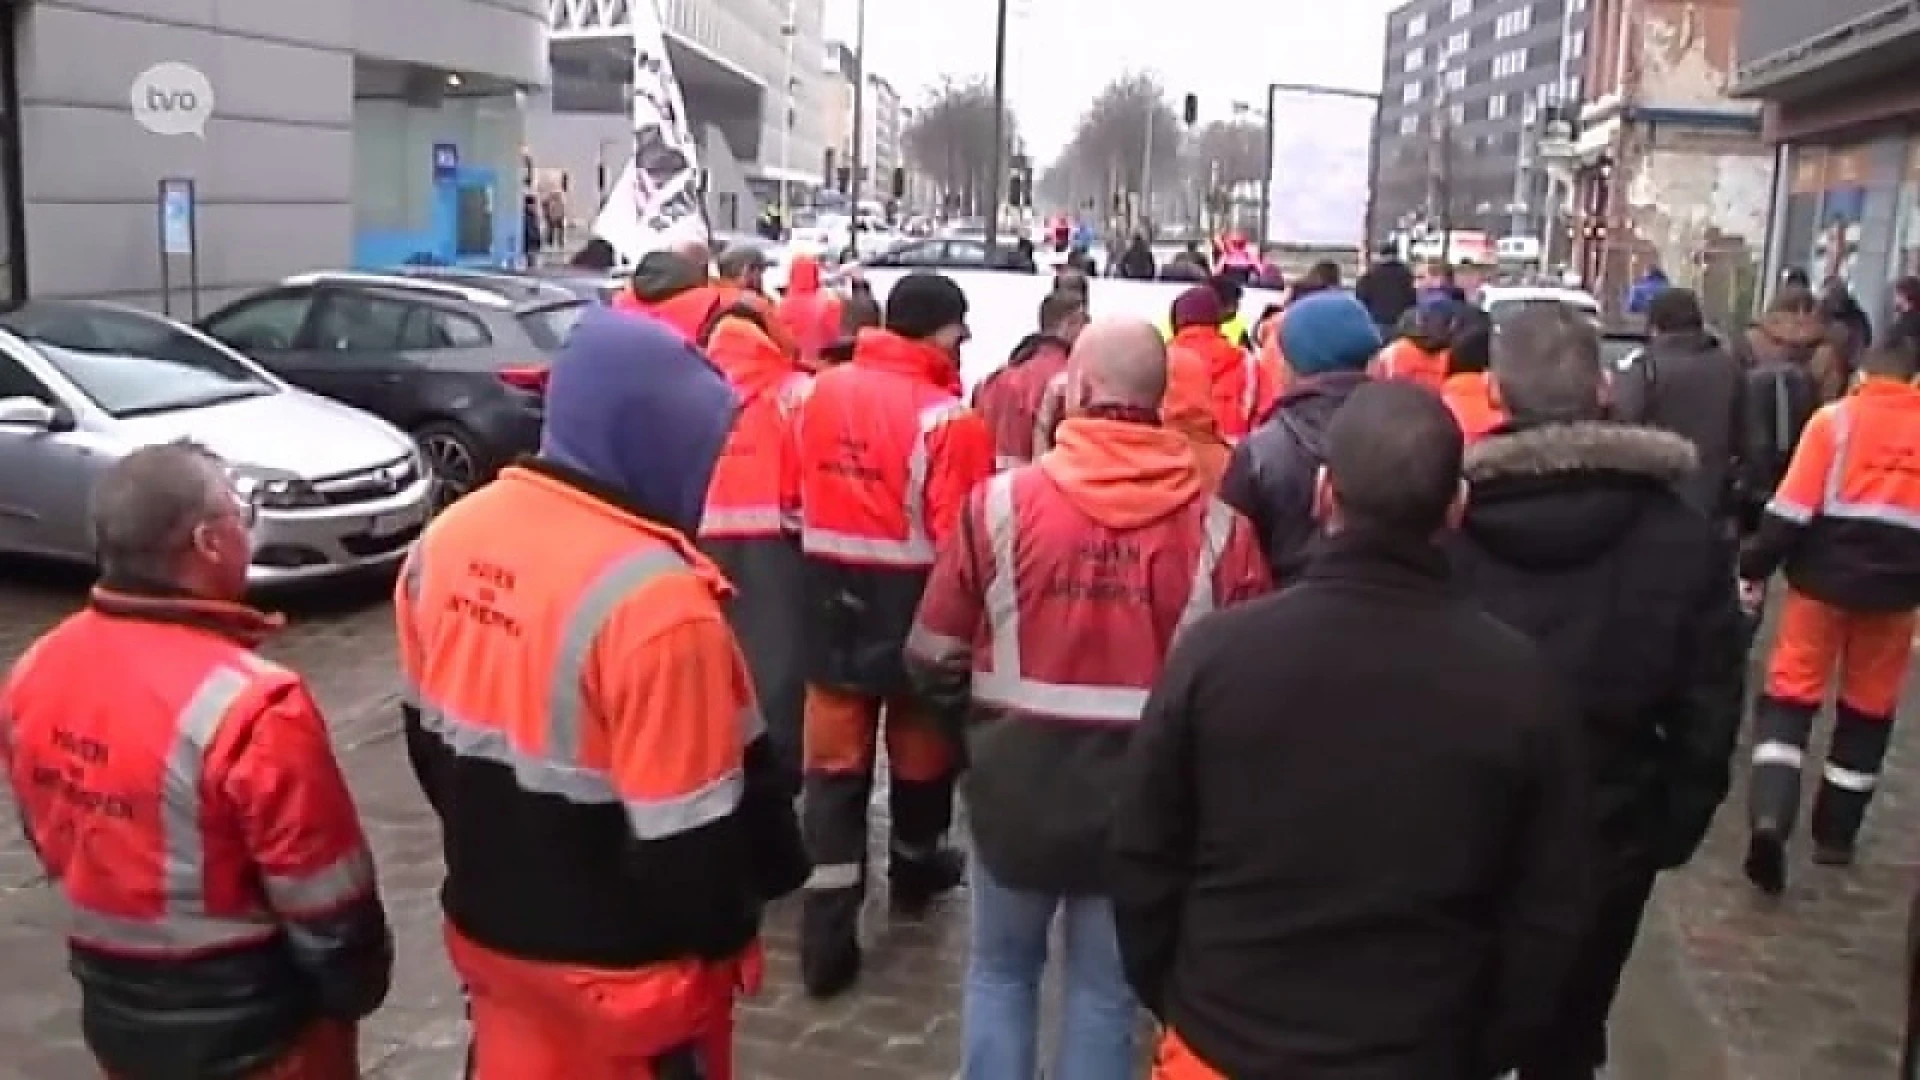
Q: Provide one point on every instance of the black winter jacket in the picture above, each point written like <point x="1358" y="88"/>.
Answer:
<point x="1690" y="384"/>
<point x="1575" y="536"/>
<point x="1352" y="840"/>
<point x="1270" y="477"/>
<point x="1387" y="291"/>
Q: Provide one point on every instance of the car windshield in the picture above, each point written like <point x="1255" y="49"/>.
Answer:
<point x="548" y="327"/>
<point x="1502" y="310"/>
<point x="130" y="364"/>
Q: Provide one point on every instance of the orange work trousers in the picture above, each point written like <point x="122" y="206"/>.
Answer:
<point x="534" y="1021"/>
<point x="1173" y="1060"/>
<point x="843" y="732"/>
<point x="329" y="1050"/>
<point x="1869" y="651"/>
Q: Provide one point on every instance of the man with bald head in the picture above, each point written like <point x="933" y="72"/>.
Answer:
<point x="1111" y="536"/>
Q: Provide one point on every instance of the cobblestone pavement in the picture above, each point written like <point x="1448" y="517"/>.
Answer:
<point x="1809" y="989"/>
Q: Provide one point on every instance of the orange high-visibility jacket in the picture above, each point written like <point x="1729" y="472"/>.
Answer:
<point x="582" y="722"/>
<point x="185" y="807"/>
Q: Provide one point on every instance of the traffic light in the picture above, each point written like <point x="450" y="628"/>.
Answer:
<point x="899" y="182"/>
<point x="1016" y="189"/>
<point x="1190" y="110"/>
<point x="843" y="179"/>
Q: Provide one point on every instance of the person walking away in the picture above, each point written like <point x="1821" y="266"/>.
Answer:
<point x="1113" y="533"/>
<point x="1906" y="313"/>
<point x="583" y="724"/>
<point x="888" y="454"/>
<point x="1187" y="408"/>
<point x="554" y="209"/>
<point x="743" y="267"/>
<point x="1009" y="399"/>
<point x="1387" y="289"/>
<point x="1136" y="263"/>
<point x="1328" y="340"/>
<point x="1468" y="392"/>
<point x="1233" y="374"/>
<point x="1649" y="285"/>
<point x="1791" y="336"/>
<point x="1848" y="329"/>
<point x="1842" y="528"/>
<point x="810" y="314"/>
<point x="751" y="525"/>
<point x="1686" y="382"/>
<point x="222" y="914"/>
<point x="1424" y="928"/>
<point x="1421" y="355"/>
<point x="532" y="232"/>
<point x="1576" y="536"/>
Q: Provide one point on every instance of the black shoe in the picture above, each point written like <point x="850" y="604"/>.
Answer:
<point x="1766" y="864"/>
<point x="1832" y="854"/>
<point x="829" y="969"/>
<point x="916" y="882"/>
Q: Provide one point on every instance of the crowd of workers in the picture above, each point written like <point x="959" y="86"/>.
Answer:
<point x="1339" y="683"/>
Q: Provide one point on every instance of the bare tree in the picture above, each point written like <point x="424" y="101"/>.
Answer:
<point x="1112" y="151"/>
<point x="951" y="140"/>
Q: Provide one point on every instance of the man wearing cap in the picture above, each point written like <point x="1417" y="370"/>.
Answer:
<point x="1327" y="341"/>
<point x="887" y="455"/>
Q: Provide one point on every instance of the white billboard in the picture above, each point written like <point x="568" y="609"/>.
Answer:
<point x="1320" y="177"/>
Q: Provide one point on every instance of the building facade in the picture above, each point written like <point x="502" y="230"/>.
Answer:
<point x="1669" y="171"/>
<point x="1842" y="92"/>
<point x="359" y="131"/>
<point x="838" y="74"/>
<point x="754" y="94"/>
<point x="882" y="131"/>
<point x="1461" y="98"/>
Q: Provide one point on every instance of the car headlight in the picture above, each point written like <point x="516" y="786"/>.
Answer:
<point x="271" y="489"/>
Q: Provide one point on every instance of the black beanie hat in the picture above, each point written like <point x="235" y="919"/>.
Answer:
<point x="920" y="305"/>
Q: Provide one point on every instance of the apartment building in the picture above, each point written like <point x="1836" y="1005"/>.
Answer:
<point x="1842" y="89"/>
<point x="1462" y="93"/>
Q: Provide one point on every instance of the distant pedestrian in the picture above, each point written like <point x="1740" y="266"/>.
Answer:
<point x="1386" y="876"/>
<point x="1576" y="536"/>
<point x="1387" y="289"/>
<point x="1687" y="382"/>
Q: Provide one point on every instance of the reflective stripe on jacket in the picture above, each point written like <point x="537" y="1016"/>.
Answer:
<point x="1846" y="519"/>
<point x="1031" y="580"/>
<point x="220" y="896"/>
<point x="581" y="719"/>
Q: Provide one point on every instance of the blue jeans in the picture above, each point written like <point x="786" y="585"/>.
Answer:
<point x="1098" y="1016"/>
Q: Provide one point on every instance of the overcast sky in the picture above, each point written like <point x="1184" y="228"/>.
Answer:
<point x="1061" y="52"/>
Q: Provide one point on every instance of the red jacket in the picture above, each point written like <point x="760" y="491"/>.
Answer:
<point x="1470" y="397"/>
<point x="1407" y="361"/>
<point x="190" y="813"/>
<point x="1240" y="384"/>
<point x="809" y="313"/>
<point x="887" y="456"/>
<point x="1009" y="400"/>
<point x="755" y="490"/>
<point x="1111" y="538"/>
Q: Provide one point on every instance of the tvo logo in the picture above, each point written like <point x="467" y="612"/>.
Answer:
<point x="172" y="99"/>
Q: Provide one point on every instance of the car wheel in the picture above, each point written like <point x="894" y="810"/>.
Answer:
<point x="453" y="458"/>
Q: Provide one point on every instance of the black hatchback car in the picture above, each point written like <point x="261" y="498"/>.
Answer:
<point x="458" y="361"/>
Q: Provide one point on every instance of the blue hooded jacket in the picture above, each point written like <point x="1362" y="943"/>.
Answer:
<point x="634" y="406"/>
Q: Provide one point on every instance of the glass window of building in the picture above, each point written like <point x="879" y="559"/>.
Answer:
<point x="1410" y="124"/>
<point x="1497" y="107"/>
<point x="1456" y="79"/>
<point x="1457" y="44"/>
<point x="1417" y="25"/>
<point x="1410" y="93"/>
<point x="1415" y="58"/>
<point x="1461" y="9"/>
<point x="1513" y="22"/>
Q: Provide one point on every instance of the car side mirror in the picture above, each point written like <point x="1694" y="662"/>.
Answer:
<point x="33" y="413"/>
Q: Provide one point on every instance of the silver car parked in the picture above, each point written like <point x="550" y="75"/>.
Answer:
<point x="83" y="384"/>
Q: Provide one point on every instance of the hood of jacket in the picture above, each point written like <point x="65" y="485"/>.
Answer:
<point x="1558" y="496"/>
<point x="884" y="350"/>
<point x="1211" y="342"/>
<point x="1313" y="399"/>
<point x="1684" y="342"/>
<point x="635" y="407"/>
<point x="663" y="275"/>
<point x="1122" y="474"/>
<point x="751" y="359"/>
<point x="1034" y="344"/>
<point x="803" y="277"/>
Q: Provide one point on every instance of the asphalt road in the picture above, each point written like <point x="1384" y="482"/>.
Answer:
<point x="1724" y="985"/>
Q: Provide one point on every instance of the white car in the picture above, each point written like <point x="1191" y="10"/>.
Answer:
<point x="1504" y="301"/>
<point x="1002" y="308"/>
<point x="84" y="384"/>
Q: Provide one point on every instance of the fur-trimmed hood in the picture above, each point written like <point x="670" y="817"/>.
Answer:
<point x="1559" y="496"/>
<point x="1554" y="449"/>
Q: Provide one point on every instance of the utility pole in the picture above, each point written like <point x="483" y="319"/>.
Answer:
<point x="999" y="160"/>
<point x="858" y="157"/>
<point x="1146" y="167"/>
<point x="791" y="31"/>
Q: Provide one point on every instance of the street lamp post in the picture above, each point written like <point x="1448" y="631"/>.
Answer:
<point x="791" y="31"/>
<point x="999" y="161"/>
<point x="858" y="162"/>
